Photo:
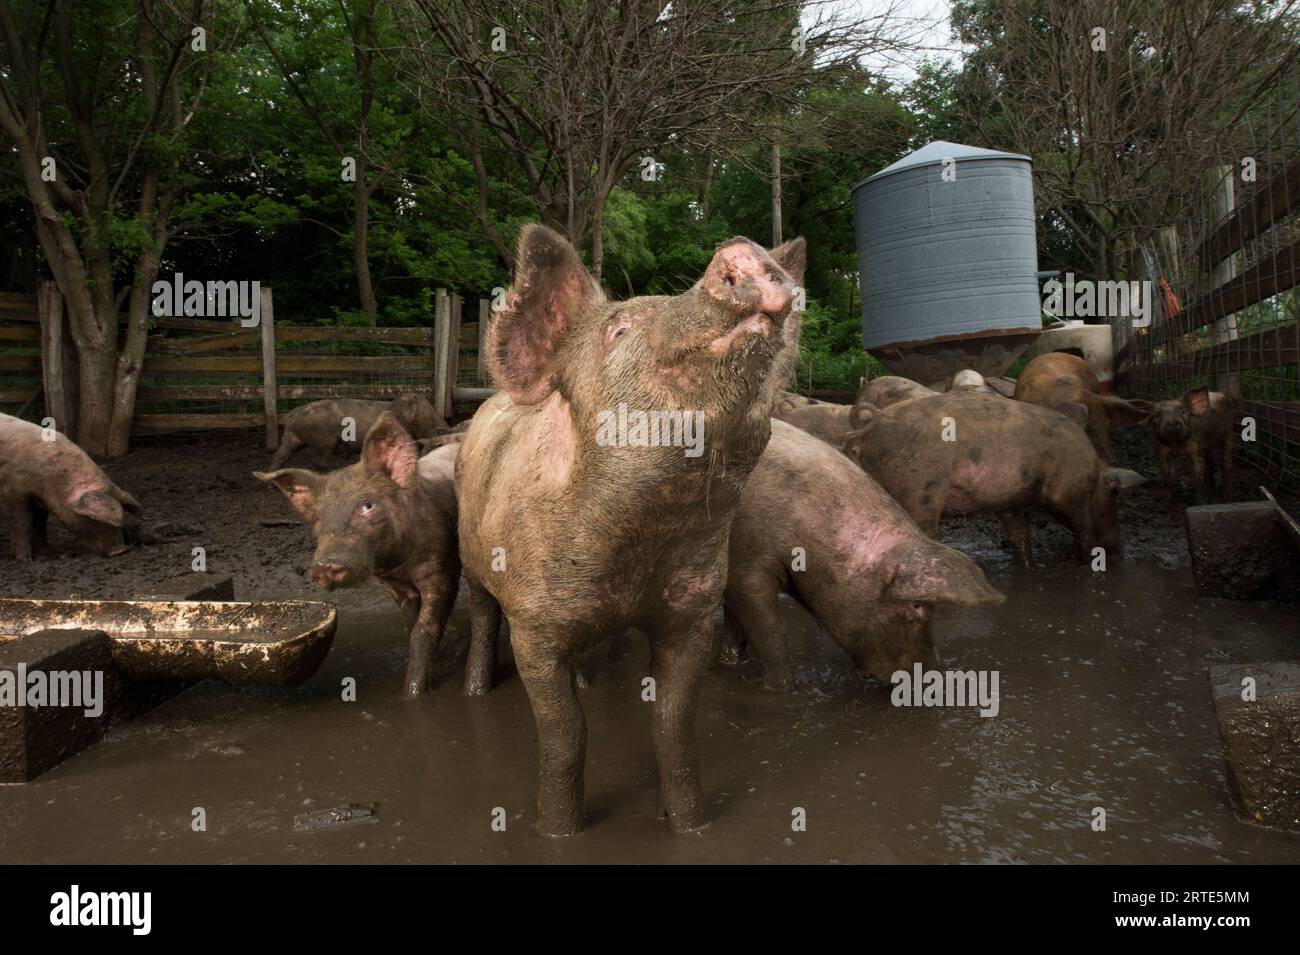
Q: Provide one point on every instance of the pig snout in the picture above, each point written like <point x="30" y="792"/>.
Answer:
<point x="746" y="280"/>
<point x="330" y="573"/>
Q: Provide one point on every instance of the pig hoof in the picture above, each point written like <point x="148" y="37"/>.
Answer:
<point x="582" y="680"/>
<point x="415" y="689"/>
<point x="477" y="687"/>
<point x="781" y="684"/>
<point x="559" y="829"/>
<point x="684" y="823"/>
<point x="729" y="657"/>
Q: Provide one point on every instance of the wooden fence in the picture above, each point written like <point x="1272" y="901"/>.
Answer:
<point x="202" y="374"/>
<point x="1231" y="320"/>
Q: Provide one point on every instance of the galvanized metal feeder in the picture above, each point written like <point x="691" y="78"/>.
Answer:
<point x="948" y="261"/>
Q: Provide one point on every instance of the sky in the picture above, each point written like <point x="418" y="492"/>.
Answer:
<point x="928" y="25"/>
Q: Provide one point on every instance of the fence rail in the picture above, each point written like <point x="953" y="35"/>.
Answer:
<point x="201" y="374"/>
<point x="1228" y="317"/>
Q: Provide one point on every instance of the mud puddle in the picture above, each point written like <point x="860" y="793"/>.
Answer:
<point x="1103" y="703"/>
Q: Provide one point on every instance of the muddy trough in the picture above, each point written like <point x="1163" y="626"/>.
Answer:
<point x="272" y="643"/>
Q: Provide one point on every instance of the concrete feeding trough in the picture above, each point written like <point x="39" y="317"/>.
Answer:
<point x="262" y="644"/>
<point x="133" y="655"/>
<point x="1245" y="551"/>
<point x="1258" y="708"/>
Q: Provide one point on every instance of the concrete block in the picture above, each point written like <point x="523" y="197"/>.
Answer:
<point x="1261" y="739"/>
<point x="34" y="738"/>
<point x="1242" y="551"/>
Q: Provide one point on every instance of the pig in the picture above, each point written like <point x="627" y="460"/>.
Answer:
<point x="392" y="516"/>
<point x="824" y="420"/>
<point x="1197" y="426"/>
<point x="1002" y="456"/>
<point x="40" y="477"/>
<point x="788" y="401"/>
<point x="320" y="425"/>
<point x="890" y="389"/>
<point x="868" y="574"/>
<point x="578" y="533"/>
<point x="1054" y="377"/>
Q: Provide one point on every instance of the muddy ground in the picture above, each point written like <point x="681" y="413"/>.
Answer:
<point x="1104" y="702"/>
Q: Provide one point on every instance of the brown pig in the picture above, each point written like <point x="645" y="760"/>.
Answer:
<point x="1198" y="427"/>
<point x="967" y="452"/>
<point x="889" y="390"/>
<point x="391" y="516"/>
<point x="824" y="420"/>
<point x="1056" y="377"/>
<point x="580" y="530"/>
<point x="320" y="425"/>
<point x="43" y="473"/>
<point x="863" y="568"/>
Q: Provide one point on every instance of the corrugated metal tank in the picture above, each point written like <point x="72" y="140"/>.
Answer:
<point x="948" y="265"/>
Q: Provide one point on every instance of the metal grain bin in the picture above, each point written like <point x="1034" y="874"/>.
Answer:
<point x="948" y="265"/>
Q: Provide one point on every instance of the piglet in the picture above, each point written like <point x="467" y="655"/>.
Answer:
<point x="392" y="515"/>
<point x="43" y="473"/>
<point x="1197" y="426"/>
<point x="813" y="525"/>
<point x="335" y="423"/>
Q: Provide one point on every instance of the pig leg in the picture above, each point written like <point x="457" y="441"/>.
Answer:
<point x="40" y="529"/>
<point x="561" y="730"/>
<point x="730" y="639"/>
<point x="1169" y="470"/>
<point x="1200" y="488"/>
<point x="434" y="601"/>
<point x="1016" y="528"/>
<point x="289" y="443"/>
<point x="20" y="530"/>
<point x="679" y="662"/>
<point x="757" y="614"/>
<point x="484" y="625"/>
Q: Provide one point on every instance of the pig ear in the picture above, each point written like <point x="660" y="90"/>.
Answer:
<point x="1198" y="400"/>
<point x="1121" y="479"/>
<point x="302" y="488"/>
<point x="390" y="449"/>
<point x="99" y="506"/>
<point x="924" y="571"/>
<point x="863" y="416"/>
<point x="1126" y="414"/>
<point x="551" y="287"/>
<point x="128" y="501"/>
<point x="793" y="257"/>
<point x="1075" y="411"/>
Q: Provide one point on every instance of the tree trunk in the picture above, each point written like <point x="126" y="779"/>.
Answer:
<point x="360" y="242"/>
<point x="776" y="189"/>
<point x="598" y="236"/>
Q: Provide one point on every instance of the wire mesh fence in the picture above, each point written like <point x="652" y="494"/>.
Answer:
<point x="1225" y="288"/>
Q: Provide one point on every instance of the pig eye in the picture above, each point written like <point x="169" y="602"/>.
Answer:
<point x="365" y="507"/>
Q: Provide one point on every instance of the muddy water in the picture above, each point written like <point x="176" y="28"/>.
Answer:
<point x="1104" y="702"/>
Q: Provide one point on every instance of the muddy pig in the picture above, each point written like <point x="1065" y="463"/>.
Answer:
<point x="1197" y="426"/>
<point x="967" y="452"/>
<point x="320" y="425"/>
<point x="40" y="477"/>
<point x="889" y="390"/>
<point x="579" y="529"/>
<point x="1054" y="377"/>
<point x="391" y="516"/>
<point x="824" y="420"/>
<point x="865" y="571"/>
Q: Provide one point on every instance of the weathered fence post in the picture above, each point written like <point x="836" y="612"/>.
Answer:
<point x="269" y="388"/>
<point x="1222" y="203"/>
<point x="58" y="368"/>
<point x="442" y="343"/>
<point x="453" y="355"/>
<point x="484" y="316"/>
